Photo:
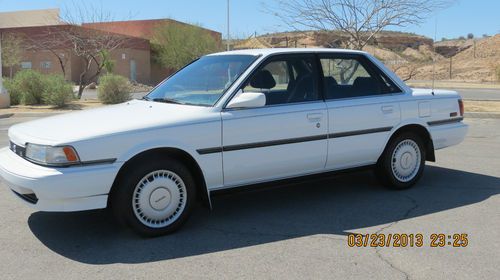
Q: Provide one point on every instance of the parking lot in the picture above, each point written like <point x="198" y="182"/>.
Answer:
<point x="293" y="232"/>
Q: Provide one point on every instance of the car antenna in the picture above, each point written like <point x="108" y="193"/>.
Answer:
<point x="434" y="55"/>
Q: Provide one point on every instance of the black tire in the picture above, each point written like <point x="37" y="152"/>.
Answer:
<point x="385" y="171"/>
<point x="121" y="200"/>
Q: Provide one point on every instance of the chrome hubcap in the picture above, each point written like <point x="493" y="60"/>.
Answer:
<point x="159" y="198"/>
<point x="406" y="160"/>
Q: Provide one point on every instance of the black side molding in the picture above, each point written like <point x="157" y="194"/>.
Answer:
<point x="209" y="150"/>
<point x="274" y="143"/>
<point x="360" y="132"/>
<point x="290" y="140"/>
<point x="447" y="121"/>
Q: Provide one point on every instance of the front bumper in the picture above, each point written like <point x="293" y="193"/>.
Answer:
<point x="57" y="189"/>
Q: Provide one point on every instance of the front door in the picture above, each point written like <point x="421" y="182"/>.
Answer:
<point x="133" y="71"/>
<point x="285" y="138"/>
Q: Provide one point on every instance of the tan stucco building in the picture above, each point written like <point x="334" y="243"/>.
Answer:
<point x="132" y="60"/>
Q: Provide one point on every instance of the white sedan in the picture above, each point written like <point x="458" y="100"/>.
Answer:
<point x="227" y="120"/>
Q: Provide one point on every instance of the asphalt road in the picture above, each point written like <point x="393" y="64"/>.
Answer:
<point x="294" y="232"/>
<point x="479" y="94"/>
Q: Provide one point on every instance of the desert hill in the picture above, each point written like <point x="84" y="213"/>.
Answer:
<point x="410" y="55"/>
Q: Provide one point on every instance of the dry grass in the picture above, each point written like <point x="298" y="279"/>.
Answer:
<point x="482" y="106"/>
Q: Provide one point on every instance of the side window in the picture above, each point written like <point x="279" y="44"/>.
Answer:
<point x="287" y="80"/>
<point x="346" y="77"/>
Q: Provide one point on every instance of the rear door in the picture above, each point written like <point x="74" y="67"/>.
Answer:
<point x="362" y="109"/>
<point x="287" y="137"/>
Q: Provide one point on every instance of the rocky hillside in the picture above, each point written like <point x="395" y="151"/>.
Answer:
<point x="410" y="55"/>
<point x="472" y="61"/>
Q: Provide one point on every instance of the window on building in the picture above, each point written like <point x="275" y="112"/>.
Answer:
<point x="45" y="64"/>
<point x="26" y="65"/>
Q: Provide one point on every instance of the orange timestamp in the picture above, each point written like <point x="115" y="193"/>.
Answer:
<point x="436" y="240"/>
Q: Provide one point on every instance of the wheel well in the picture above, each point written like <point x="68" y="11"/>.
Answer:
<point x="173" y="153"/>
<point x="423" y="133"/>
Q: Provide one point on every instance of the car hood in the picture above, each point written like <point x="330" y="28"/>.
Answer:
<point x="93" y="123"/>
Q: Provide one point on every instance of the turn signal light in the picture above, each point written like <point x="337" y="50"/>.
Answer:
<point x="70" y="154"/>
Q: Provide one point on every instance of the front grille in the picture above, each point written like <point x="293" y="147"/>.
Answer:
<point x="20" y="151"/>
<point x="28" y="197"/>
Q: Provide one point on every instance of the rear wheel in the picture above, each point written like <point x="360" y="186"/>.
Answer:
<point x="155" y="197"/>
<point x="403" y="161"/>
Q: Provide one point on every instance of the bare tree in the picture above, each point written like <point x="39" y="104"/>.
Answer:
<point x="91" y="45"/>
<point x="50" y="39"/>
<point x="360" y="20"/>
<point x="406" y="71"/>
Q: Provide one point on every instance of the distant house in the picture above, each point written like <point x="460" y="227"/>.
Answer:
<point x="133" y="59"/>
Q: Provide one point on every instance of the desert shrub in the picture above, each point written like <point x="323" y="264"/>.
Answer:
<point x="113" y="89"/>
<point x="497" y="72"/>
<point x="13" y="90"/>
<point x="26" y="87"/>
<point x="57" y="91"/>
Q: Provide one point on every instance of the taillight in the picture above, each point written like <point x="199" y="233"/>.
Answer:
<point x="461" y="106"/>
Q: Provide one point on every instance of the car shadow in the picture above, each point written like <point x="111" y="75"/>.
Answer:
<point x="337" y="205"/>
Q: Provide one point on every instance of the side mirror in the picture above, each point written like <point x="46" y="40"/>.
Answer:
<point x="248" y="100"/>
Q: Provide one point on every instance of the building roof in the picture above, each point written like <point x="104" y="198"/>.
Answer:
<point x="29" y="18"/>
<point x="54" y="36"/>
<point x="136" y="28"/>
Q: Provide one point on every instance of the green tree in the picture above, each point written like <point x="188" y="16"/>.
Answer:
<point x="107" y="62"/>
<point x="175" y="44"/>
<point x="12" y="51"/>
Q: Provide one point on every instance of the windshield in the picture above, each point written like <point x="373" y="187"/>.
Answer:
<point x="202" y="82"/>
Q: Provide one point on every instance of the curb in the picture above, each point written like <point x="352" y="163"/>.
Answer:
<point x="5" y="116"/>
<point x="29" y="114"/>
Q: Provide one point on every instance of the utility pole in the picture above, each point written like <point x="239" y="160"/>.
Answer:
<point x="451" y="59"/>
<point x="474" y="48"/>
<point x="228" y="39"/>
<point x="1" y="77"/>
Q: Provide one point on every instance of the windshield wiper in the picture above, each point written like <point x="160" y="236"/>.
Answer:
<point x="166" y="100"/>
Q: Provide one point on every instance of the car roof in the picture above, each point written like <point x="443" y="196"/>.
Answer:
<point x="269" y="51"/>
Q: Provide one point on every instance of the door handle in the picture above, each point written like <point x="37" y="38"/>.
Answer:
<point x="314" y="117"/>
<point x="387" y="109"/>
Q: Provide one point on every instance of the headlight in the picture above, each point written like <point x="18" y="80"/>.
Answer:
<point x="53" y="156"/>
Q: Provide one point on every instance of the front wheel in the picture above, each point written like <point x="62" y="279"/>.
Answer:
<point x="403" y="161"/>
<point x="155" y="197"/>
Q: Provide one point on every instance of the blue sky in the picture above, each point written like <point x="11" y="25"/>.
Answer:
<point x="247" y="16"/>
